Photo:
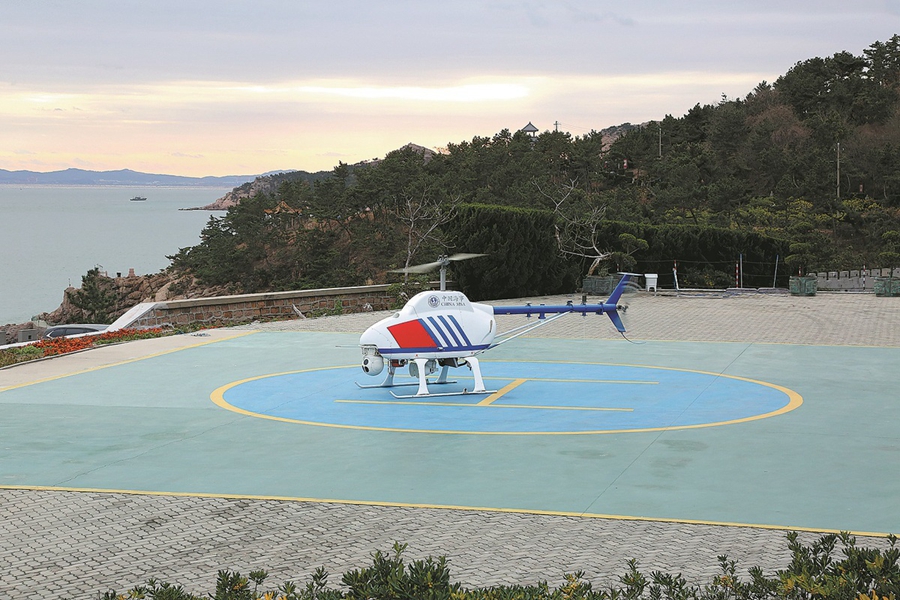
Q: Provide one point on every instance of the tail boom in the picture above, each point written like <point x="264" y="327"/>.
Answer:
<point x="609" y="308"/>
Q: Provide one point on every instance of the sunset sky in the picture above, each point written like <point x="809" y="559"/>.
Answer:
<point x="223" y="87"/>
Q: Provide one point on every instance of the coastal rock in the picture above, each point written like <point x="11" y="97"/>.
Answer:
<point x="66" y="313"/>
<point x="125" y="292"/>
<point x="162" y="294"/>
<point x="266" y="184"/>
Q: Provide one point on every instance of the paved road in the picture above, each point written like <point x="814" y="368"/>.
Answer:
<point x="58" y="544"/>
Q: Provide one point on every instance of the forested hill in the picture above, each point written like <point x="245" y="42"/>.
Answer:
<point x="806" y="168"/>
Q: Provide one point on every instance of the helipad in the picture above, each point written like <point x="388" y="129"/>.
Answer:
<point x="711" y="432"/>
<point x="532" y="398"/>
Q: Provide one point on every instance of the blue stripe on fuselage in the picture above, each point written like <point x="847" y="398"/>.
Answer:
<point x="390" y="351"/>
<point x="460" y="330"/>
<point x="428" y="330"/>
<point x="449" y="328"/>
<point x="440" y="330"/>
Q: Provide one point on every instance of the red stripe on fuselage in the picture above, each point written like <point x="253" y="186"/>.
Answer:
<point x="411" y="334"/>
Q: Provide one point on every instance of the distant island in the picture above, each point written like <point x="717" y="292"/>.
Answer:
<point x="123" y="177"/>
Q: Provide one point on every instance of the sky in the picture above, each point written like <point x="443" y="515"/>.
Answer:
<point x="233" y="87"/>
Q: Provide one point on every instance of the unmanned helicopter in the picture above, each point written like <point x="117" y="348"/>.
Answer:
<point x="443" y="329"/>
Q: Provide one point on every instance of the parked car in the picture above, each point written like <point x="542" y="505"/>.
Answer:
<point x="72" y="329"/>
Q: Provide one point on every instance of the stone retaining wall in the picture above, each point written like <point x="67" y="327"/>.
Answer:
<point x="244" y="308"/>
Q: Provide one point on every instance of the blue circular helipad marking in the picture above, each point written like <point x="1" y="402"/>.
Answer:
<point x="547" y="398"/>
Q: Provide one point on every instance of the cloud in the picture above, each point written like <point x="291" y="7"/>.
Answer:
<point x="238" y="86"/>
<point x="459" y="93"/>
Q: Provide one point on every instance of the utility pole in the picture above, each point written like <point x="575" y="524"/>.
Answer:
<point x="556" y="126"/>
<point x="660" y="138"/>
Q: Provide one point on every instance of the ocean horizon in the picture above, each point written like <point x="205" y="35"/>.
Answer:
<point x="54" y="234"/>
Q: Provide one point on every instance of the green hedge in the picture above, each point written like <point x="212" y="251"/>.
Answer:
<point x="815" y="572"/>
<point x="525" y="259"/>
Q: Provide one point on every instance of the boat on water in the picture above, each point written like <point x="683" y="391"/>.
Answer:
<point x="138" y="199"/>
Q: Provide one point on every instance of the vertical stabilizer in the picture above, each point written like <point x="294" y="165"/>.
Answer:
<point x="611" y="305"/>
<point x="617" y="293"/>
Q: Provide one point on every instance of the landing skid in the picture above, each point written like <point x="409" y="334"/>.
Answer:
<point x="387" y="385"/>
<point x="423" y="381"/>
<point x="440" y="394"/>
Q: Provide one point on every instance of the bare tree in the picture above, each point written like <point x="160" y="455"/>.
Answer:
<point x="422" y="214"/>
<point x="577" y="228"/>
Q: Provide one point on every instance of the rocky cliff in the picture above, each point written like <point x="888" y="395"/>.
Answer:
<point x="266" y="184"/>
<point x="125" y="292"/>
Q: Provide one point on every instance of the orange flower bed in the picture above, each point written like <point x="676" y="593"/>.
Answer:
<point x="64" y="345"/>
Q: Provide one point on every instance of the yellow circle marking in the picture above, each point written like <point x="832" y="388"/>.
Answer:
<point x="795" y="400"/>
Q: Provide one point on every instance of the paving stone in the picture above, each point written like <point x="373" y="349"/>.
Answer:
<point x="516" y="548"/>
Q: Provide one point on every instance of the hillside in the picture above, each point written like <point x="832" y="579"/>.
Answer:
<point x="270" y="182"/>
<point x="263" y="184"/>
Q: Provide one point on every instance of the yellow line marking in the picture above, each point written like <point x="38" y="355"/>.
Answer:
<point x="615" y="381"/>
<point x="794" y="401"/>
<point x="559" y="380"/>
<point x="479" y="405"/>
<point x="520" y="511"/>
<point x="125" y="362"/>
<point x="503" y="391"/>
<point x="600" y="408"/>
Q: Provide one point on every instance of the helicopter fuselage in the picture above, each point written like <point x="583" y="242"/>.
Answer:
<point x="443" y="329"/>
<point x="433" y="325"/>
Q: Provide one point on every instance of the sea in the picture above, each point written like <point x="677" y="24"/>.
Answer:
<point x="52" y="236"/>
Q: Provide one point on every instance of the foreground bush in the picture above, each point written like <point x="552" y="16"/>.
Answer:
<point x="815" y="572"/>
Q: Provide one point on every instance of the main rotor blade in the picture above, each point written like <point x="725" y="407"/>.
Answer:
<point x="464" y="256"/>
<point x="425" y="268"/>
<point x="418" y="268"/>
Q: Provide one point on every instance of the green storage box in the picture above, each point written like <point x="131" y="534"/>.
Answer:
<point x="805" y="285"/>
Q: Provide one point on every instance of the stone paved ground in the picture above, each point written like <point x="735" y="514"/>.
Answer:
<point x="68" y="544"/>
<point x="60" y="544"/>
<point x="825" y="319"/>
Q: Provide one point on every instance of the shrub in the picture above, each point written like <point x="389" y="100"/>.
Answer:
<point x="814" y="573"/>
<point x="12" y="356"/>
